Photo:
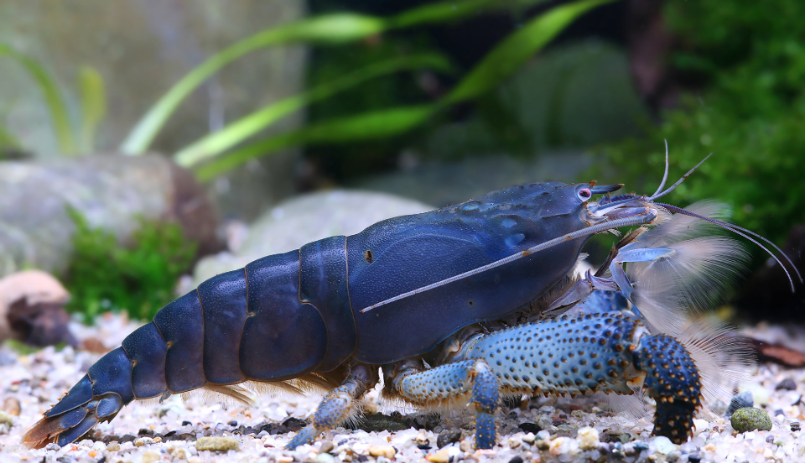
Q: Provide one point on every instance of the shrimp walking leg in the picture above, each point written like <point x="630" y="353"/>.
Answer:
<point x="453" y="381"/>
<point x="337" y="406"/>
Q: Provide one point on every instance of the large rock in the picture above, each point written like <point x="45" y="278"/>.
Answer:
<point x="308" y="218"/>
<point x="112" y="192"/>
<point x="141" y="49"/>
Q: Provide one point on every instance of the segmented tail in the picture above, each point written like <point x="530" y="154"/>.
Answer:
<point x="97" y="397"/>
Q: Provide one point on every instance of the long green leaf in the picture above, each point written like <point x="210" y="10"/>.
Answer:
<point x="391" y="122"/>
<point x="93" y="106"/>
<point x="517" y="49"/>
<point x="53" y="99"/>
<point x="330" y="29"/>
<point x="240" y="130"/>
<point x="368" y="126"/>
<point x="327" y="29"/>
<point x="451" y="11"/>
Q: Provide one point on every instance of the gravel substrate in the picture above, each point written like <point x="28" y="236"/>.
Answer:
<point x="199" y="430"/>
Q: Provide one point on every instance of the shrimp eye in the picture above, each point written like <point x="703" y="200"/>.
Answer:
<point x="585" y="194"/>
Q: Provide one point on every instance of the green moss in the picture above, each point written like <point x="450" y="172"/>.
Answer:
<point x="140" y="277"/>
<point x="750" y="113"/>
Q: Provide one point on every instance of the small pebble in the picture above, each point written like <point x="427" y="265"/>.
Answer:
<point x="674" y="456"/>
<point x="141" y="441"/>
<point x="53" y="446"/>
<point x="233" y="423"/>
<point x="325" y="458"/>
<point x="694" y="458"/>
<point x="516" y="459"/>
<point x="216" y="444"/>
<point x="326" y="446"/>
<point x="588" y="438"/>
<point x="749" y="419"/>
<point x="150" y="457"/>
<point x="788" y="384"/>
<point x="530" y="427"/>
<point x="769" y="439"/>
<point x="662" y="445"/>
<point x="12" y="406"/>
<point x="742" y="400"/>
<point x="448" y="437"/>
<point x="178" y="452"/>
<point x="382" y="451"/>
<point x="562" y="446"/>
<point x="113" y="447"/>
<point x="442" y="456"/>
<point x="795" y="426"/>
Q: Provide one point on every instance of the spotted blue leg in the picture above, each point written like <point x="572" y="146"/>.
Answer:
<point x="337" y="406"/>
<point x="446" y="383"/>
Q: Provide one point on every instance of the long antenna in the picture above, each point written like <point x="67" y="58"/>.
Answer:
<point x="665" y="175"/>
<point x="658" y="195"/>
<point x="624" y="222"/>
<point x="744" y="233"/>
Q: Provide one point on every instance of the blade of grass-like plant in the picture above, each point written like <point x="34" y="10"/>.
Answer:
<point x="517" y="49"/>
<point x="53" y="99"/>
<point x="331" y="29"/>
<point x="450" y="11"/>
<point x="326" y="29"/>
<point x="368" y="126"/>
<point x="93" y="106"/>
<point x="499" y="64"/>
<point x="238" y="131"/>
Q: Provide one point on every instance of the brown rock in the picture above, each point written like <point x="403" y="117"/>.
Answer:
<point x="31" y="309"/>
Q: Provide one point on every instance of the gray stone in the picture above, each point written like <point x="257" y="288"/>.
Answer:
<point x="112" y="192"/>
<point x="742" y="400"/>
<point x="308" y="218"/>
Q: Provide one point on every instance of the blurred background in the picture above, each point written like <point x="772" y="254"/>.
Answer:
<point x="147" y="146"/>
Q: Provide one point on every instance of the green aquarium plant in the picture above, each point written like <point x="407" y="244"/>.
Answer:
<point x="750" y="112"/>
<point x="499" y="64"/>
<point x="234" y="144"/>
<point x="139" y="277"/>
<point x="92" y="102"/>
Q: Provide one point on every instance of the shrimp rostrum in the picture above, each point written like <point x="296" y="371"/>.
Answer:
<point x="461" y="305"/>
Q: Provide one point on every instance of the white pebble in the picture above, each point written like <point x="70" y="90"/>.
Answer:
<point x="662" y="444"/>
<point x="588" y="438"/>
<point x="701" y="426"/>
<point x="563" y="445"/>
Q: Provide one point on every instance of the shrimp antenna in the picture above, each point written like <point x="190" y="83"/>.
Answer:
<point x="678" y="182"/>
<point x="740" y="231"/>
<point x="665" y="175"/>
